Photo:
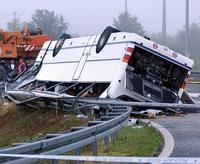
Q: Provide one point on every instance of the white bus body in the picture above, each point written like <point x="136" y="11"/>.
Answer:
<point x="129" y="67"/>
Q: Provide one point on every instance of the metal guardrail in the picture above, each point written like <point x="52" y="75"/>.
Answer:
<point x="76" y="138"/>
<point x="195" y="72"/>
<point x="116" y="116"/>
<point x="194" y="77"/>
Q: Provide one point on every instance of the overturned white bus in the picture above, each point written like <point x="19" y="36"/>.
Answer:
<point x="114" y="64"/>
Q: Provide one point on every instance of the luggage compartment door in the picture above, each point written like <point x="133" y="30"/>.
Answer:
<point x="84" y="57"/>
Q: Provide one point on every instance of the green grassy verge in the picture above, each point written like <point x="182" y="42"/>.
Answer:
<point x="19" y="124"/>
<point x="133" y="141"/>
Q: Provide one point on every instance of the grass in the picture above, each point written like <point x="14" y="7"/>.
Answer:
<point x="18" y="124"/>
<point x="131" y="141"/>
<point x="134" y="142"/>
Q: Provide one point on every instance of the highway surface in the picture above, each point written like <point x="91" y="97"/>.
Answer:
<point x="185" y="130"/>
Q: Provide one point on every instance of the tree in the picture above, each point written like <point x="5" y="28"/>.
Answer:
<point x="176" y="42"/>
<point x="14" y="25"/>
<point x="49" y="22"/>
<point x="127" y="23"/>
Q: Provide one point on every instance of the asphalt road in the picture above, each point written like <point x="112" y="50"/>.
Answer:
<point x="193" y="88"/>
<point x="186" y="133"/>
<point x="185" y="130"/>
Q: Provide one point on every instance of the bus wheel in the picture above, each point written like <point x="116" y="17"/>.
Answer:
<point x="60" y="43"/>
<point x="104" y="38"/>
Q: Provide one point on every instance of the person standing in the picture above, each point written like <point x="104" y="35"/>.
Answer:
<point x="22" y="66"/>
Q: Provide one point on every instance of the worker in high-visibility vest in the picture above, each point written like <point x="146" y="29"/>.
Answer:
<point x="22" y="66"/>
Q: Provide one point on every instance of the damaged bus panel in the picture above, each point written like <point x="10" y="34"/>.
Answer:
<point x="114" y="64"/>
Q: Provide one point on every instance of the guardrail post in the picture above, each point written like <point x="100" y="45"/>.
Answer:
<point x="106" y="142"/>
<point x="94" y="149"/>
<point x="78" y="153"/>
<point x="54" y="161"/>
<point x="113" y="136"/>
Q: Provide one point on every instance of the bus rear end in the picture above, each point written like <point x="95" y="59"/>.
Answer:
<point x="157" y="76"/>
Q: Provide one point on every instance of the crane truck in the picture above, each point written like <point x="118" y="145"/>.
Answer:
<point x="15" y="45"/>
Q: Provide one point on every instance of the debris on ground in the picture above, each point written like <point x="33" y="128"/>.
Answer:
<point x="152" y="113"/>
<point x="148" y="113"/>
<point x="132" y="121"/>
<point x="82" y="116"/>
<point x="138" y="127"/>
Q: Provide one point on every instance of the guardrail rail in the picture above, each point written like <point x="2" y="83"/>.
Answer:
<point x="77" y="137"/>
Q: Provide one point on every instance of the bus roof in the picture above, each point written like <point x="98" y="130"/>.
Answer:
<point x="78" y="60"/>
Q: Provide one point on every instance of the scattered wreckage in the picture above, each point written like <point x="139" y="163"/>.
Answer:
<point x="111" y="65"/>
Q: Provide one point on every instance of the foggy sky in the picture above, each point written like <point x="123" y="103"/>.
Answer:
<point x="92" y="16"/>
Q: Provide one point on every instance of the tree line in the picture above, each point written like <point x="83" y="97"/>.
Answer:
<point x="55" y="25"/>
<point x="176" y="42"/>
<point x="48" y="21"/>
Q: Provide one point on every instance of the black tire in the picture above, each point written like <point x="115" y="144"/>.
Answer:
<point x="60" y="43"/>
<point x="2" y="73"/>
<point x="104" y="38"/>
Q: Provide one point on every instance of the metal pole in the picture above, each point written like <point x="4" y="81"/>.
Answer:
<point x="126" y="6"/>
<point x="187" y="28"/>
<point x="54" y="161"/>
<point x="106" y="142"/>
<point x="78" y="153"/>
<point x="141" y="104"/>
<point x="94" y="148"/>
<point x="113" y="136"/>
<point x="164" y="31"/>
<point x="14" y="21"/>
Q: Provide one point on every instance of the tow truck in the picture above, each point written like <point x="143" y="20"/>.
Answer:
<point x="15" y="45"/>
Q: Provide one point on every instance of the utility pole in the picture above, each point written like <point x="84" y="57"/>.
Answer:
<point x="187" y="28"/>
<point x="14" y="21"/>
<point x="126" y="6"/>
<point x="164" y="31"/>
